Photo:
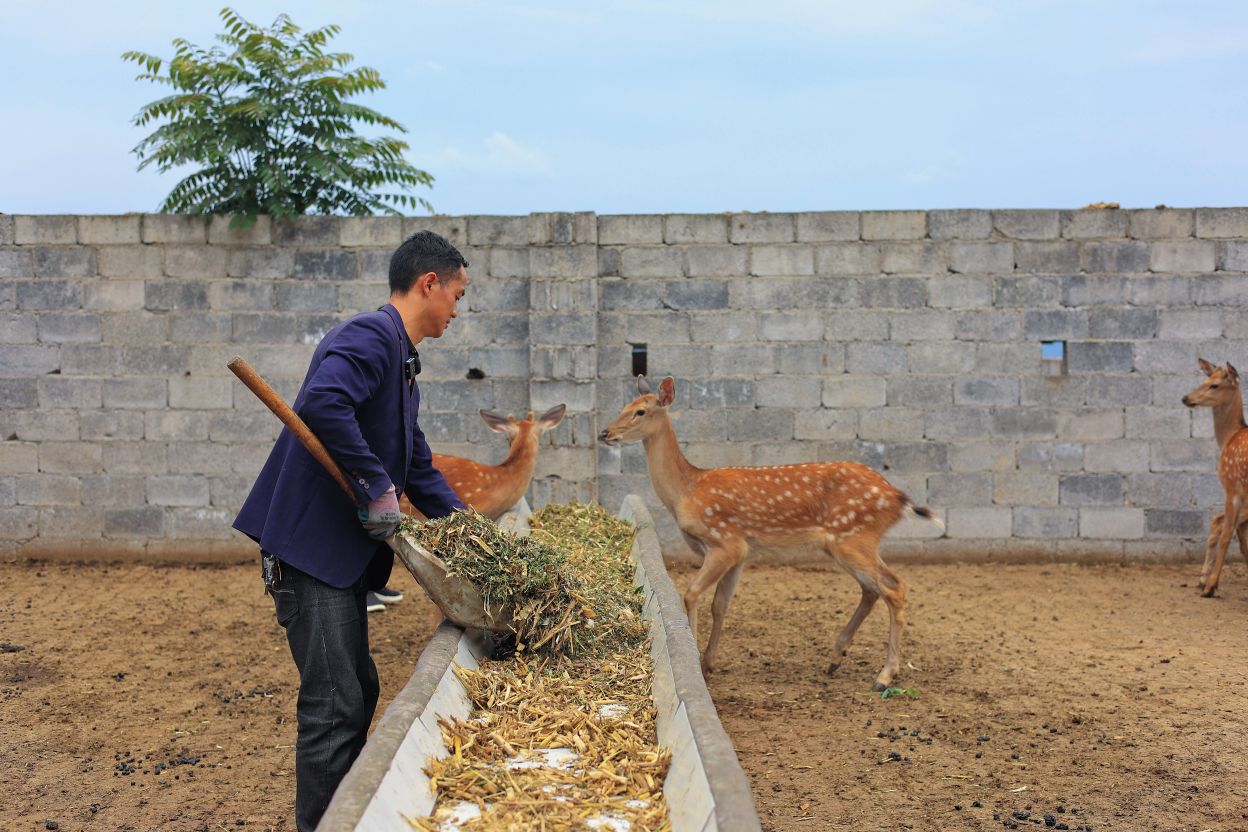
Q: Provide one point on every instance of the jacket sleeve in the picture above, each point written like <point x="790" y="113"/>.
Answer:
<point x="350" y="373"/>
<point x="426" y="487"/>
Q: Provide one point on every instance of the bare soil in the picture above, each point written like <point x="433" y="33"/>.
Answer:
<point x="138" y="697"/>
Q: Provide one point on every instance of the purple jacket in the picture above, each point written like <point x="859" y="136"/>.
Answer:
<point x="358" y="403"/>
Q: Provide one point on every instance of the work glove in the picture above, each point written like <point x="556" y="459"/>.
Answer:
<point x="381" y="517"/>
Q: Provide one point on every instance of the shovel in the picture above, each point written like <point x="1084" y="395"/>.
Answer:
<point x="458" y="599"/>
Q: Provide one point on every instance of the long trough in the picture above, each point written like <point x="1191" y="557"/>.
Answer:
<point x="705" y="789"/>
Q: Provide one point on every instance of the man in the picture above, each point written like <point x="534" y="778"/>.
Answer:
<point x="320" y="553"/>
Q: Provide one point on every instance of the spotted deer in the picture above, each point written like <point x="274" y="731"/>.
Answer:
<point x="492" y="489"/>
<point x="843" y="508"/>
<point x="1220" y="391"/>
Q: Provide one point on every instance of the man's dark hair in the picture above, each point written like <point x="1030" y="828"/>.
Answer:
<point x="421" y="253"/>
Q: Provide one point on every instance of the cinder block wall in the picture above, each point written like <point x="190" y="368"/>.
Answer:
<point x="907" y="340"/>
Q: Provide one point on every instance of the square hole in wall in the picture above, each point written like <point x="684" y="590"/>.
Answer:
<point x="1053" y="358"/>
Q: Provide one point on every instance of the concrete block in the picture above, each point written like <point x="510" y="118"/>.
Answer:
<point x="989" y="325"/>
<point x="452" y="229"/>
<point x="134" y="262"/>
<point x="715" y="261"/>
<point x="1111" y="523"/>
<point x="1029" y="423"/>
<point x="70" y="458"/>
<point x="75" y="359"/>
<point x="787" y="391"/>
<point x="109" y="230"/>
<point x="769" y="423"/>
<point x="71" y="522"/>
<point x="648" y="261"/>
<point x="699" y="426"/>
<point x="980" y="258"/>
<point x="562" y="328"/>
<point x="16" y="262"/>
<point x="1045" y="523"/>
<point x="825" y="424"/>
<point x="633" y="229"/>
<point x="1122" y="324"/>
<point x="200" y="524"/>
<point x="1095" y="289"/>
<point x="1055" y="324"/>
<point x="811" y="359"/>
<point x="913" y="258"/>
<point x="1207" y="290"/>
<point x="1161" y="223"/>
<point x="18" y="329"/>
<point x="825" y="226"/>
<point x="263" y="328"/>
<point x="680" y="360"/>
<point x="48" y="489"/>
<point x="980" y="456"/>
<point x="142" y="523"/>
<point x="1129" y="457"/>
<point x="1024" y="488"/>
<point x="174" y="228"/>
<point x="940" y="358"/>
<point x="72" y="328"/>
<point x="1119" y="390"/>
<point x="717" y="393"/>
<point x="261" y="263"/>
<point x="1092" y="489"/>
<point x="325" y="264"/>
<point x="18" y="522"/>
<point x="855" y="326"/>
<point x="175" y="295"/>
<point x="1232" y="256"/>
<point x="1181" y="454"/>
<point x="195" y="262"/>
<point x="894" y="225"/>
<point x="959" y="224"/>
<point x="258" y="233"/>
<point x="743" y="359"/>
<point x="894" y="292"/>
<point x="854" y="391"/>
<point x="134" y="393"/>
<point x="792" y="293"/>
<point x="54" y="393"/>
<point x="926" y="457"/>
<point x="762" y="228"/>
<point x="957" y="423"/>
<point x="1190" y="324"/>
<point x="919" y="391"/>
<point x="1027" y="225"/>
<point x="1099" y="356"/>
<point x="1157" y="422"/>
<point x="1064" y="392"/>
<point x="1028" y="292"/>
<point x="65" y="261"/>
<point x="723" y="327"/>
<point x="179" y="425"/>
<point x="143" y="327"/>
<point x="695" y="228"/>
<point x="110" y="424"/>
<point x="18" y="457"/>
<point x="1145" y="290"/>
<point x="177" y="490"/>
<point x="18" y="393"/>
<point x="386" y="232"/>
<point x="570" y="261"/>
<point x="1129" y="256"/>
<point x="1166" y="356"/>
<point x="1046" y="257"/>
<point x="868" y="358"/>
<point x="962" y="489"/>
<point x="1162" y="490"/>
<point x="201" y="393"/>
<point x="782" y="260"/>
<point x="1087" y="424"/>
<point x="45" y="230"/>
<point x="7" y="230"/>
<point x="893" y="424"/>
<point x="1175" y="523"/>
<point x="303" y="297"/>
<point x="984" y="522"/>
<point x="848" y="259"/>
<point x="114" y="295"/>
<point x="1094" y="223"/>
<point x="23" y="359"/>
<point x="986" y="391"/>
<point x="1004" y="358"/>
<point x="498" y="231"/>
<point x="563" y="228"/>
<point x="243" y="295"/>
<point x="960" y="292"/>
<point x="1182" y="256"/>
<point x="1221" y="222"/>
<point x="790" y="326"/>
<point x="374" y="266"/>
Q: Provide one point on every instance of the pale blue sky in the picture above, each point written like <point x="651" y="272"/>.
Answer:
<point x="693" y="105"/>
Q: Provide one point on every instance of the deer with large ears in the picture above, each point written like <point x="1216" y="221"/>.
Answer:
<point x="492" y="489"/>
<point x="843" y="508"/>
<point x="1220" y="391"/>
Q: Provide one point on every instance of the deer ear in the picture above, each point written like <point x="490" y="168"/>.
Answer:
<point x="553" y="416"/>
<point x="643" y="386"/>
<point x="1232" y="372"/>
<point x="1205" y="366"/>
<point x="495" y="421"/>
<point x="667" y="391"/>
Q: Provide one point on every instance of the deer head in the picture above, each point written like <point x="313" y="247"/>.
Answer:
<point x="1220" y="386"/>
<point x="641" y="417"/>
<point x="519" y="431"/>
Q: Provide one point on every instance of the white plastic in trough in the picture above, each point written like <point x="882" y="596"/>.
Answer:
<point x="705" y="788"/>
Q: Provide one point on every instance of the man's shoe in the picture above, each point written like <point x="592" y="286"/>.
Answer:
<point x="372" y="603"/>
<point x="386" y="595"/>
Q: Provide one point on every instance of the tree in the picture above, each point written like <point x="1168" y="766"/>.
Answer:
<point x="265" y="117"/>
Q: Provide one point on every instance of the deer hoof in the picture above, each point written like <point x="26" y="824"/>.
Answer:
<point x="1207" y="592"/>
<point x="877" y="687"/>
<point x="707" y="668"/>
<point x="832" y="667"/>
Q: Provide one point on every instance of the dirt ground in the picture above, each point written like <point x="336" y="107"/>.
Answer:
<point x="162" y="698"/>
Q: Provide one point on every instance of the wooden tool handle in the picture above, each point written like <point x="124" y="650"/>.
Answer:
<point x="290" y="419"/>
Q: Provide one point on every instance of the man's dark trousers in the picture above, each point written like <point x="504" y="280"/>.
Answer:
<point x="327" y="629"/>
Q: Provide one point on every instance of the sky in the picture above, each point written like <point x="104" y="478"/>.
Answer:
<point x="691" y="105"/>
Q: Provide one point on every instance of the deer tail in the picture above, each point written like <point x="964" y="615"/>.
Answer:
<point x="921" y="512"/>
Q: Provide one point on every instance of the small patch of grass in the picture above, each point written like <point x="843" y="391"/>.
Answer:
<point x="889" y="693"/>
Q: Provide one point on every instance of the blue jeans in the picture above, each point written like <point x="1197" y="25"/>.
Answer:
<point x="327" y="630"/>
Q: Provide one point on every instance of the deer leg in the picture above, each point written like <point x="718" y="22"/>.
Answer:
<point x="719" y="559"/>
<point x="865" y="604"/>
<point x="1211" y="541"/>
<point x="1230" y="523"/>
<point x="719" y="610"/>
<point x="861" y="557"/>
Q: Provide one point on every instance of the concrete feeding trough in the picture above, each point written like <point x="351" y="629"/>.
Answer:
<point x="705" y="788"/>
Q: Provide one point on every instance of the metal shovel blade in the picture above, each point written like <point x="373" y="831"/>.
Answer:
<point x="458" y="599"/>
